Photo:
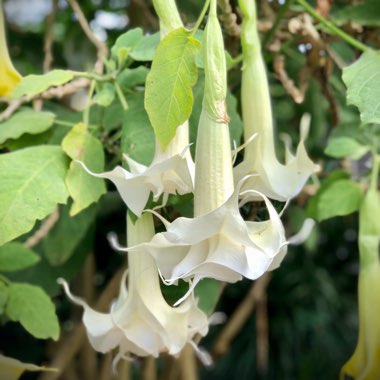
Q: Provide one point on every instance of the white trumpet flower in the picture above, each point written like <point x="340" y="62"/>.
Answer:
<point x="171" y="172"/>
<point x="219" y="245"/>
<point x="141" y="322"/>
<point x="272" y="178"/>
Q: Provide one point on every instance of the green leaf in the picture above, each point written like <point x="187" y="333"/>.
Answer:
<point x="340" y="147"/>
<point x="137" y="139"/>
<point x="32" y="85"/>
<point x="127" y="41"/>
<point x="32" y="183"/>
<point x="3" y="297"/>
<point x="362" y="79"/>
<point x="129" y="78"/>
<point x="336" y="197"/>
<point x="85" y="189"/>
<point x="105" y="96"/>
<point x="208" y="291"/>
<point x="60" y="244"/>
<point x="145" y="50"/>
<point x="114" y="116"/>
<point x="365" y="13"/>
<point x="15" y="256"/>
<point x="168" y="94"/>
<point x="31" y="306"/>
<point x="25" y="121"/>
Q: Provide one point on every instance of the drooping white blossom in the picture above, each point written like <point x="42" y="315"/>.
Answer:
<point x="272" y="178"/>
<point x="171" y="172"/>
<point x="141" y="322"/>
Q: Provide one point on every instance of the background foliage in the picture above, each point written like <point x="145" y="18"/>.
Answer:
<point x="304" y="323"/>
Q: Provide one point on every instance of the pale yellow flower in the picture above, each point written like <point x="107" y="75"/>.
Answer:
<point x="9" y="76"/>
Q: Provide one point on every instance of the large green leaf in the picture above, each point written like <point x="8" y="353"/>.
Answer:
<point x="25" y="121"/>
<point x="31" y="306"/>
<point x="15" y="256"/>
<point x="32" y="85"/>
<point x="168" y="94"/>
<point x="85" y="189"/>
<point x="146" y="48"/>
<point x="365" y="13"/>
<point x="62" y="240"/>
<point x="344" y="146"/>
<point x="362" y="79"/>
<point x="126" y="42"/>
<point x="137" y="139"/>
<point x="337" y="196"/>
<point x="32" y="183"/>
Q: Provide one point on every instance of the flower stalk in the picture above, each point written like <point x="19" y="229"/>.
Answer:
<point x="213" y="164"/>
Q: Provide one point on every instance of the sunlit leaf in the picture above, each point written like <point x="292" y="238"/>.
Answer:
<point x="32" y="85"/>
<point x="85" y="189"/>
<point x="32" y="183"/>
<point x="362" y="79"/>
<point x="30" y="305"/>
<point x="168" y="95"/>
<point x="25" y="121"/>
<point x="146" y="48"/>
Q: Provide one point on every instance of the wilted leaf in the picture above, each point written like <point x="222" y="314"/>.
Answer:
<point x="32" y="183"/>
<point x="168" y="94"/>
<point x="30" y="305"/>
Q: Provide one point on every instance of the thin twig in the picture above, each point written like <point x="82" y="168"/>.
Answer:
<point x="124" y="370"/>
<point x="100" y="46"/>
<point x="106" y="367"/>
<point x="240" y="316"/>
<point x="68" y="347"/>
<point x="46" y="226"/>
<point x="298" y="94"/>
<point x="149" y="370"/>
<point x="88" y="357"/>
<point x="54" y="92"/>
<point x="262" y="329"/>
<point x="188" y="364"/>
<point x="49" y="37"/>
<point x="229" y="18"/>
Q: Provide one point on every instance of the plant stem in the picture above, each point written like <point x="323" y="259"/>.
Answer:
<point x="121" y="96"/>
<point x="333" y="28"/>
<point x="201" y="17"/>
<point x="269" y="36"/>
<point x="86" y="112"/>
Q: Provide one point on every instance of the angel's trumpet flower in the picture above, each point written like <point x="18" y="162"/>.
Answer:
<point x="270" y="177"/>
<point x="9" y="76"/>
<point x="364" y="363"/>
<point x="140" y="322"/>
